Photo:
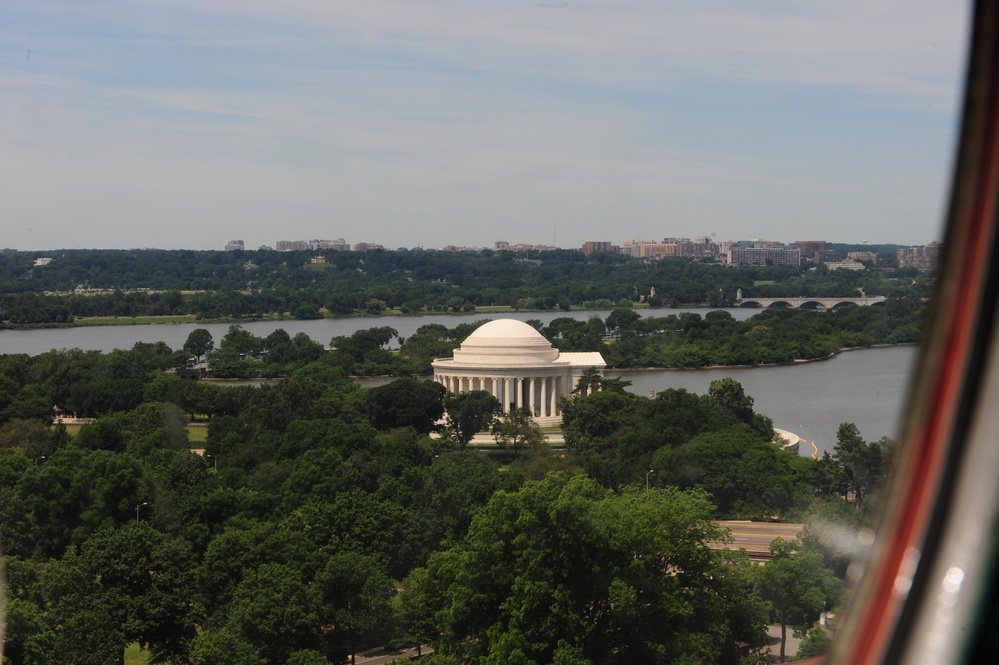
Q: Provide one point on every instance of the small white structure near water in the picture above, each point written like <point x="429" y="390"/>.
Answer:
<point x="521" y="368"/>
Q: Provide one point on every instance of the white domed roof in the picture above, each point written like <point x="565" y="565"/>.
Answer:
<point x="507" y="329"/>
<point x="505" y="342"/>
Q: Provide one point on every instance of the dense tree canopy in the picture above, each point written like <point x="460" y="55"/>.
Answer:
<point x="317" y="500"/>
<point x="561" y="571"/>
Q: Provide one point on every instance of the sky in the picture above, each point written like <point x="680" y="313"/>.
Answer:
<point x="189" y="123"/>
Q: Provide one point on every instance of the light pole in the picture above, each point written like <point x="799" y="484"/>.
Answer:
<point x="39" y="458"/>
<point x="650" y="471"/>
<point x="215" y="460"/>
<point x="144" y="503"/>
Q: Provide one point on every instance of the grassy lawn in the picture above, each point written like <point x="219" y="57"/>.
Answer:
<point x="493" y="309"/>
<point x="197" y="433"/>
<point x="764" y="282"/>
<point x="136" y="656"/>
<point x="132" y="320"/>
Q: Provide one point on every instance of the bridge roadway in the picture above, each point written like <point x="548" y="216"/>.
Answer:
<point x="810" y="303"/>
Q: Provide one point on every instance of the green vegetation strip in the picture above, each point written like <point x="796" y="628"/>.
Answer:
<point x="134" y="320"/>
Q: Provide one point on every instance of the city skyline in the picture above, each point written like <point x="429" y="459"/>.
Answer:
<point x="319" y="245"/>
<point x="134" y="124"/>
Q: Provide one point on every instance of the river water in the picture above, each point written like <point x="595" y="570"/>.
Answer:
<point x="866" y="387"/>
<point x="107" y="338"/>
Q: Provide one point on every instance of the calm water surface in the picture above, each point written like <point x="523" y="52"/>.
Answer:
<point x="866" y="387"/>
<point x="108" y="338"/>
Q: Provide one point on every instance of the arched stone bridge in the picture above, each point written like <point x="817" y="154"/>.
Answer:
<point x="809" y="303"/>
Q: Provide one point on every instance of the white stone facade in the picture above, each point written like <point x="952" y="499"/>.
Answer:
<point x="515" y="363"/>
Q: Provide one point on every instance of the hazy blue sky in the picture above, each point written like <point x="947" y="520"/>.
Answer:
<point x="184" y="124"/>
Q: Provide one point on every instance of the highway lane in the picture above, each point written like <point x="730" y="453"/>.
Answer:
<point x="755" y="537"/>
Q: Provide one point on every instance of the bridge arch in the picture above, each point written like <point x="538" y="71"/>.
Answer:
<point x="843" y="303"/>
<point x="779" y="304"/>
<point x="810" y="304"/>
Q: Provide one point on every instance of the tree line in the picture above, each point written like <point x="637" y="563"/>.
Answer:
<point x="625" y="339"/>
<point x="256" y="284"/>
<point x="324" y="518"/>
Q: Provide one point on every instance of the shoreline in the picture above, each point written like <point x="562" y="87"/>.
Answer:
<point x="97" y="321"/>
<point x="796" y="361"/>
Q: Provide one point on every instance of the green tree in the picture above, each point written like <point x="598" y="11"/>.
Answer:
<point x="272" y="610"/>
<point x="28" y="638"/>
<point x="517" y="429"/>
<point x="408" y="402"/>
<point x="307" y="657"/>
<point x="815" y="643"/>
<point x="746" y="476"/>
<point x="798" y="587"/>
<point x="415" y="612"/>
<point x="470" y="412"/>
<point x="621" y="319"/>
<point x="732" y="400"/>
<point x="352" y="598"/>
<point x="129" y="584"/>
<point x="861" y="462"/>
<point x="199" y="343"/>
<point x="562" y="571"/>
<point x="223" y="647"/>
<point x="30" y="437"/>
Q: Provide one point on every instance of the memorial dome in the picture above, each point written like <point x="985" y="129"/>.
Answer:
<point x="505" y="342"/>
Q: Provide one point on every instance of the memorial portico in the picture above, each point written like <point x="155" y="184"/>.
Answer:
<point x="517" y="365"/>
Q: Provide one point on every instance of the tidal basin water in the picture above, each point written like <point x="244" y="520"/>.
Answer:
<point x="867" y="387"/>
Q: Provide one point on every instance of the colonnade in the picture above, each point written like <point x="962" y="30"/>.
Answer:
<point x="539" y="394"/>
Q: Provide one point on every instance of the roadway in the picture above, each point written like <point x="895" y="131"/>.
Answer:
<point x="380" y="656"/>
<point x="755" y="537"/>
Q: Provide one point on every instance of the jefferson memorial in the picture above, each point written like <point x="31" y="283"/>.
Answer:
<point x="521" y="368"/>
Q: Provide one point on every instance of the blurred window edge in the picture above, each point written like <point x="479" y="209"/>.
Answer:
<point x="925" y="593"/>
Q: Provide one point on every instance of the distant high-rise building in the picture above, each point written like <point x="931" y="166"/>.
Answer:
<point x="339" y="245"/>
<point x="866" y="257"/>
<point x="809" y="248"/>
<point x="818" y="251"/>
<point x="598" y="246"/>
<point x="765" y="255"/>
<point x="657" y="250"/>
<point x="920" y="257"/>
<point x="828" y="256"/>
<point x="845" y="264"/>
<point x="234" y="245"/>
<point x="291" y="245"/>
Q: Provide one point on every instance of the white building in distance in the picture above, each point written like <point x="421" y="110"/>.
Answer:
<point x="521" y="368"/>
